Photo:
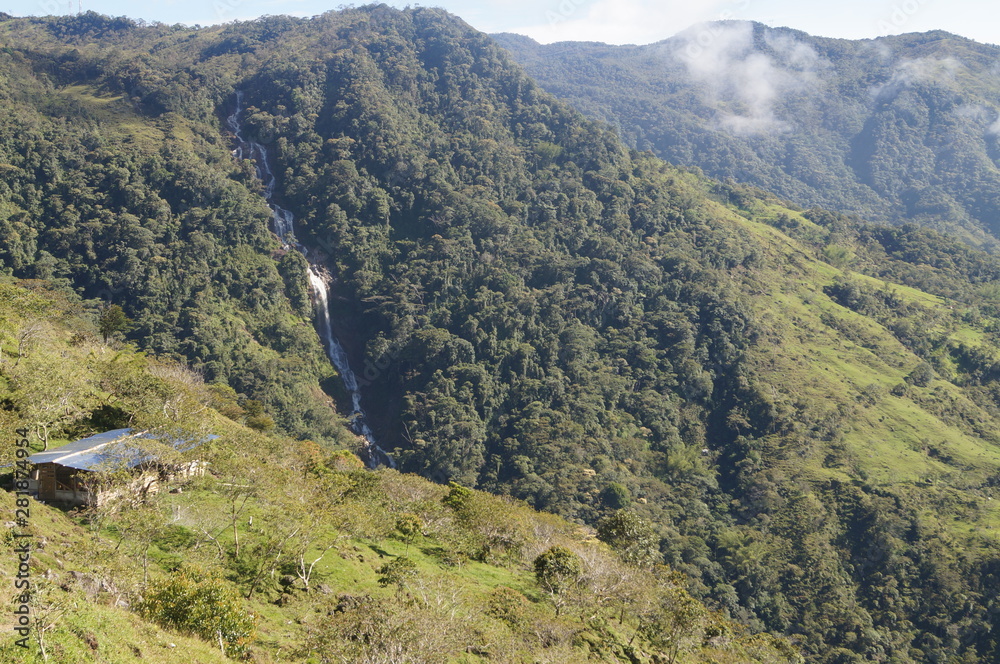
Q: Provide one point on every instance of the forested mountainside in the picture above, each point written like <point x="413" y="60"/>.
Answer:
<point x="804" y="405"/>
<point x="900" y="128"/>
<point x="147" y="209"/>
<point x="286" y="552"/>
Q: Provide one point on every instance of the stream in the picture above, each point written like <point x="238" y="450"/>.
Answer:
<point x="284" y="228"/>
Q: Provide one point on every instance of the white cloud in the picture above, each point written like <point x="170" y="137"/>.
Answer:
<point x="792" y="52"/>
<point x="921" y="70"/>
<point x="994" y="129"/>
<point x="880" y="48"/>
<point x="927" y="70"/>
<point x="981" y="115"/>
<point x="974" y="112"/>
<point x="743" y="82"/>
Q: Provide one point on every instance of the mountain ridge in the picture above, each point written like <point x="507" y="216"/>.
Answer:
<point x="826" y="129"/>
<point x="908" y="36"/>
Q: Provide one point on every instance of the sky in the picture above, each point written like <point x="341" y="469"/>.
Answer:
<point x="610" y="21"/>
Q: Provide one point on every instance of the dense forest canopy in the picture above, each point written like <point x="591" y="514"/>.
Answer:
<point x="803" y="404"/>
<point x="899" y="128"/>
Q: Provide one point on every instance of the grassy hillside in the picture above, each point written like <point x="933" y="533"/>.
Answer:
<point x="288" y="552"/>
<point x="802" y="405"/>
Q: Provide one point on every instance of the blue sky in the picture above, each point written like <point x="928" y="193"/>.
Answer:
<point x="611" y="21"/>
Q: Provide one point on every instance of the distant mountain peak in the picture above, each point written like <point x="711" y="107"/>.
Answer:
<point x="866" y="126"/>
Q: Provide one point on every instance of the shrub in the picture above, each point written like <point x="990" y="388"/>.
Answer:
<point x="192" y="601"/>
<point x="508" y="605"/>
<point x="396" y="572"/>
<point x="409" y="526"/>
<point x="922" y="375"/>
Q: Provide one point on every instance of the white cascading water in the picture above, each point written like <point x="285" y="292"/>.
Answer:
<point x="284" y="227"/>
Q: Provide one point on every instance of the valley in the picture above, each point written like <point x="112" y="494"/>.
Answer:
<point x="617" y="409"/>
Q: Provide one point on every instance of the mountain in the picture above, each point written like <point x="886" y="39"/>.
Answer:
<point x="801" y="403"/>
<point x="895" y="129"/>
<point x="125" y="202"/>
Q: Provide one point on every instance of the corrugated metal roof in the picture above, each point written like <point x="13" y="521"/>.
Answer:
<point x="110" y="449"/>
<point x="61" y="454"/>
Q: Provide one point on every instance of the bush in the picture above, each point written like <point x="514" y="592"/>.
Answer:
<point x="192" y="601"/>
<point x="409" y="526"/>
<point x="922" y="375"/>
<point x="396" y="572"/>
<point x="508" y="605"/>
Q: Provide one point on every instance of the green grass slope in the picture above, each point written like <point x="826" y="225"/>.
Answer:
<point x="288" y="552"/>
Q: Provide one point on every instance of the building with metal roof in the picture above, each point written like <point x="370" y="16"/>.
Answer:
<point x="69" y="473"/>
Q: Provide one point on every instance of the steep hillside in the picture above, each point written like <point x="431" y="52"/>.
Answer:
<point x="148" y="210"/>
<point x="286" y="552"/>
<point x="803" y="405"/>
<point x="896" y="128"/>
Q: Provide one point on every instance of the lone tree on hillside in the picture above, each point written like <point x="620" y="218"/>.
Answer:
<point x="631" y="535"/>
<point x="557" y="570"/>
<point x="112" y="320"/>
<point x="409" y="526"/>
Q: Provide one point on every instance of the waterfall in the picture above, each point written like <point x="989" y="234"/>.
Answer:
<point x="284" y="228"/>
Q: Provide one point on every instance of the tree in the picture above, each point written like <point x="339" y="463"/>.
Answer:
<point x="267" y="553"/>
<point x="631" y="535"/>
<point x="48" y="604"/>
<point x="409" y="526"/>
<point x="257" y="418"/>
<point x="112" y="320"/>
<point x="492" y="527"/>
<point x="316" y="506"/>
<point x="558" y="570"/>
<point x="138" y="528"/>
<point x="922" y="375"/>
<point x="239" y="482"/>
<point x="52" y="393"/>
<point x="616" y="496"/>
<point x="458" y="496"/>
<point x="397" y="572"/>
<point x="365" y="630"/>
<point x="508" y="605"/>
<point x="304" y="567"/>
<point x="676" y="622"/>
